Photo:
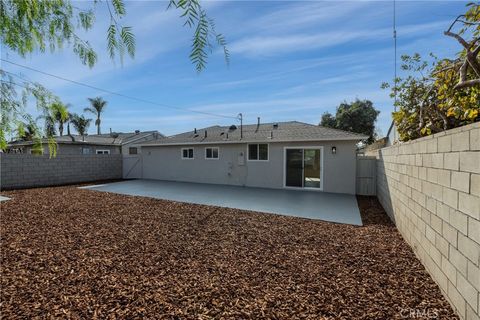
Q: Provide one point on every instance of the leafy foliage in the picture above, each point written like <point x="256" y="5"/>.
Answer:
<point x="442" y="94"/>
<point x="13" y="119"/>
<point x="29" y="26"/>
<point x="97" y="107"/>
<point x="328" y="120"/>
<point x="359" y="117"/>
<point x="38" y="25"/>
<point x="205" y="37"/>
<point x="80" y="123"/>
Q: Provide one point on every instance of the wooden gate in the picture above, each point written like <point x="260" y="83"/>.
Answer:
<point x="366" y="176"/>
<point x="132" y="166"/>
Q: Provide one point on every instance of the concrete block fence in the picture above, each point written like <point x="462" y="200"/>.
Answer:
<point x="430" y="187"/>
<point x="26" y="170"/>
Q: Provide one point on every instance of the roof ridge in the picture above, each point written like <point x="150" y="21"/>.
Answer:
<point x="341" y="130"/>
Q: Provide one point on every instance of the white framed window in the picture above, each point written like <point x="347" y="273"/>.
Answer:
<point x="187" y="153"/>
<point x="102" y="151"/>
<point x="132" y="150"/>
<point x="212" y="153"/>
<point x="258" y="152"/>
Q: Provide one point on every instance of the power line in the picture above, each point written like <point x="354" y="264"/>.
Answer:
<point x="117" y="93"/>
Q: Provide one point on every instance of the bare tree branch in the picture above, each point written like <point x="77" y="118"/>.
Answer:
<point x="468" y="83"/>
<point x="462" y="41"/>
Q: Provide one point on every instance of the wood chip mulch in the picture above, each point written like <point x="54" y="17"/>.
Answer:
<point x="73" y="253"/>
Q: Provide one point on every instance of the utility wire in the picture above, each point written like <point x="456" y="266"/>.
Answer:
<point x="117" y="93"/>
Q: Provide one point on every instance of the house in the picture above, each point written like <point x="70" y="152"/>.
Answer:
<point x="390" y="139"/>
<point x="291" y="155"/>
<point x="111" y="143"/>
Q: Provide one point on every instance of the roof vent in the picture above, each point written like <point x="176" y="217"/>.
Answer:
<point x="222" y="133"/>
<point x="137" y="131"/>
<point x="195" y="135"/>
<point x="205" y="133"/>
<point x="195" y="131"/>
<point x="275" y="125"/>
<point x="232" y="127"/>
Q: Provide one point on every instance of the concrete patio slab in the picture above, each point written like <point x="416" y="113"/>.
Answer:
<point x="340" y="208"/>
<point x="2" y="198"/>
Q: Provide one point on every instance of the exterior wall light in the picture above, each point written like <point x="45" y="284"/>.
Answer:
<point x="334" y="150"/>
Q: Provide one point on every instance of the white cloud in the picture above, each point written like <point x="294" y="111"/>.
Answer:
<point x="261" y="46"/>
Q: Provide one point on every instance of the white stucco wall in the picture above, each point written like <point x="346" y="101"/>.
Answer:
<point x="165" y="163"/>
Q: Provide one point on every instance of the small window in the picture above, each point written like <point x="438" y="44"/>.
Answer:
<point x="187" y="153"/>
<point x="85" y="150"/>
<point x="211" y="153"/>
<point x="102" y="151"/>
<point x="132" y="150"/>
<point x="258" y="152"/>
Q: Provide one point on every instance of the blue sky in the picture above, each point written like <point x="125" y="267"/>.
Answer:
<point x="289" y="61"/>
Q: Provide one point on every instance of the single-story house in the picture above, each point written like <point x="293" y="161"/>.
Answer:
<point x="110" y="143"/>
<point x="291" y="155"/>
<point x="391" y="138"/>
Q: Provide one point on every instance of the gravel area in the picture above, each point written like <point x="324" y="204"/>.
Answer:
<point x="72" y="253"/>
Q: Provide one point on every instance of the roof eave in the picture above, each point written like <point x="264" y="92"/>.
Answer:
<point x="251" y="141"/>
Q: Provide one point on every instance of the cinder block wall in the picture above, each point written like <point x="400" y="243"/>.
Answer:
<point x="25" y="170"/>
<point x="430" y="187"/>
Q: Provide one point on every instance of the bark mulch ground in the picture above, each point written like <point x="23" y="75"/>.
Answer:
<point x="72" y="253"/>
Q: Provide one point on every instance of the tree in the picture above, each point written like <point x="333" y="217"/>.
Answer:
<point x="60" y="116"/>
<point x="55" y="115"/>
<point x="328" y="120"/>
<point x="80" y="123"/>
<point x="359" y="117"/>
<point x="97" y="107"/>
<point x="26" y="132"/>
<point x="468" y="62"/>
<point x="35" y="25"/>
<point x="444" y="93"/>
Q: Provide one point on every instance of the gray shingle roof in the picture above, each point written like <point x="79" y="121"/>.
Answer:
<point x="266" y="132"/>
<point x="96" y="139"/>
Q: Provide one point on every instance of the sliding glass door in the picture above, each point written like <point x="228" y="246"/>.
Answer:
<point x="294" y="170"/>
<point x="303" y="167"/>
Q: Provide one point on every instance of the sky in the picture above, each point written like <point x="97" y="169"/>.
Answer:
<point x="290" y="60"/>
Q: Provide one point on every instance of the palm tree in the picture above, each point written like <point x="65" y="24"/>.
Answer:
<point x="60" y="115"/>
<point x="80" y="123"/>
<point x="27" y="131"/>
<point x="98" y="105"/>
<point x="49" y="126"/>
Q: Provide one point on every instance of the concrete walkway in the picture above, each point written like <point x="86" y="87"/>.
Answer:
<point x="332" y="207"/>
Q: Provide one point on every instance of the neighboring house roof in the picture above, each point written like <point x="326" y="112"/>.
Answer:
<point x="116" y="139"/>
<point x="378" y="144"/>
<point x="265" y="132"/>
